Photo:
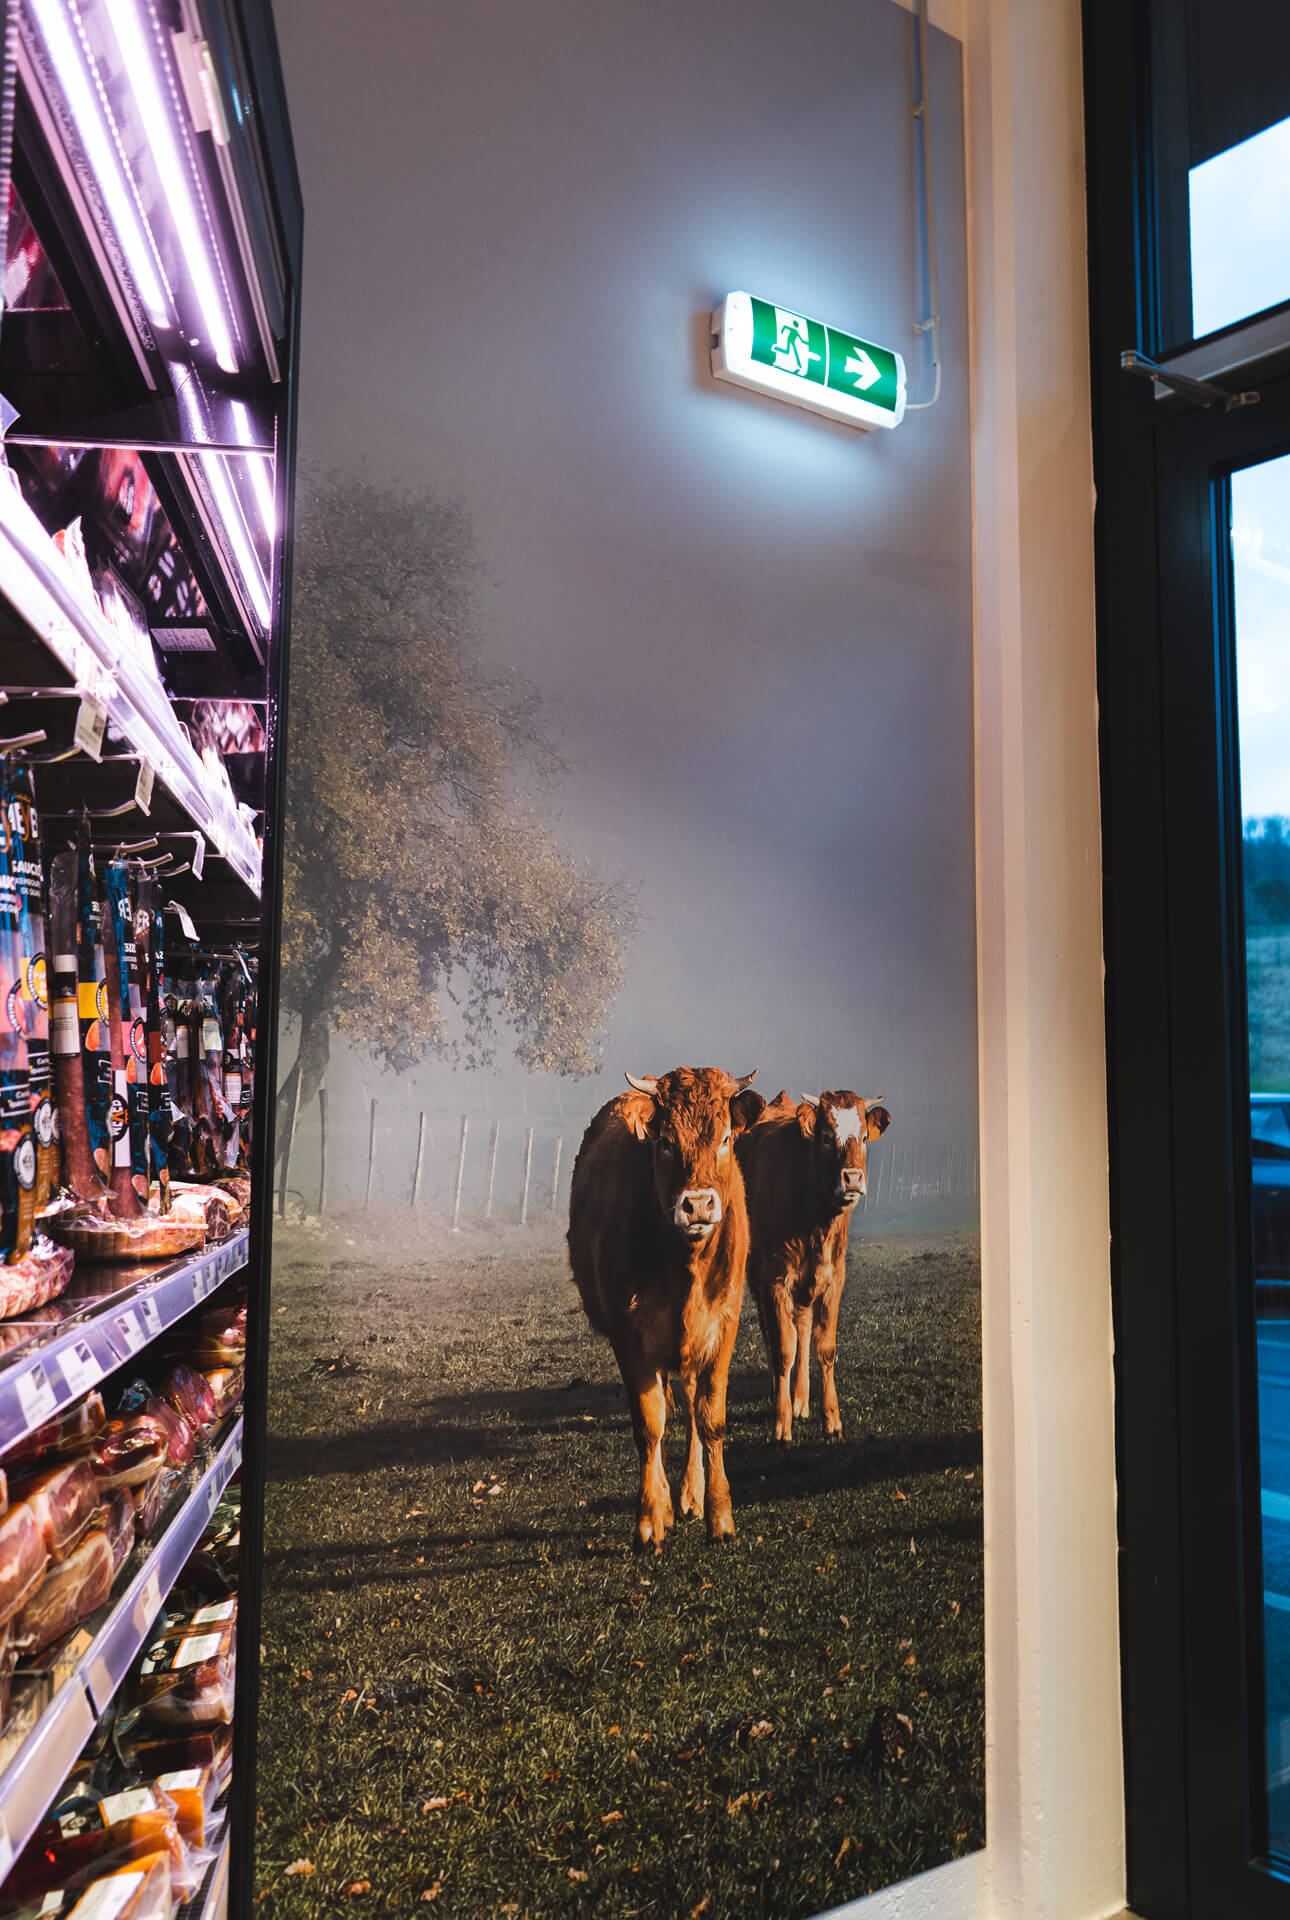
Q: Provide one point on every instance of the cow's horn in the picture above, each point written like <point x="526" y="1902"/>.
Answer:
<point x="875" y="1100"/>
<point x="809" y="1099"/>
<point x="646" y="1084"/>
<point x="746" y="1081"/>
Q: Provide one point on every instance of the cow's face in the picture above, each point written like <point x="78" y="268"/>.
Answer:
<point x="840" y="1126"/>
<point x="691" y="1116"/>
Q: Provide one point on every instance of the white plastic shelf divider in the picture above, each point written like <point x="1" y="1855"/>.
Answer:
<point x="37" y="583"/>
<point x="54" y="1368"/>
<point x="45" y="1758"/>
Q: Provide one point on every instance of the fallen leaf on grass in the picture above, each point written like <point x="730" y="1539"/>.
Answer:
<point x="437" y="1801"/>
<point x="357" y="1888"/>
<point x="479" y="1486"/>
<point x="898" y="1495"/>
<point x="761" y="1728"/>
<point x="607" y="1819"/>
<point x="844" y="1849"/>
<point x="843" y="1621"/>
<point x="696" y="1911"/>
<point x="576" y="1873"/>
<point x="301" y="1866"/>
<point x="614" y="1729"/>
<point x="433" y="1891"/>
<point x="492" y="1491"/>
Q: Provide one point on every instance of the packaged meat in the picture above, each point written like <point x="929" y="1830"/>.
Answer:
<point x="118" y="1511"/>
<point x="69" y="1593"/>
<point x="70" y="1431"/>
<point x="225" y="1326"/>
<point x="182" y="1437"/>
<point x="23" y="824"/>
<point x="188" y="1681"/>
<point x="193" y="1792"/>
<point x="152" y="1499"/>
<point x="93" y="1236"/>
<point x="65" y="1500"/>
<point x="140" y="1890"/>
<point x="84" y="1860"/>
<point x="129" y="1451"/>
<point x="124" y="1199"/>
<point x="23" y="1559"/>
<point x="8" y="1661"/>
<point x="80" y="1174"/>
<point x="214" y="1208"/>
<point x="226" y="1385"/>
<point x="150" y="942"/>
<point x="92" y="1002"/>
<point x="38" y="1277"/>
<point x="206" y="1616"/>
<point x="190" y="1394"/>
<point x="150" y="1750"/>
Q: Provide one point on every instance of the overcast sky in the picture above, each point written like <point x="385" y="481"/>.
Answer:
<point x="754" y="625"/>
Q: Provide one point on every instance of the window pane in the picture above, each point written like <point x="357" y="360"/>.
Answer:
<point x="1239" y="203"/>
<point x="1261" y="561"/>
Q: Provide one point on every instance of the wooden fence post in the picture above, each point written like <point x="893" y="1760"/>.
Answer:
<point x="528" y="1168"/>
<point x="421" y="1160"/>
<point x="371" y="1153"/>
<point x="461" y="1172"/>
<point x="322" y="1151"/>
<point x="493" y="1137"/>
<point x="555" y="1174"/>
<point x="287" y="1146"/>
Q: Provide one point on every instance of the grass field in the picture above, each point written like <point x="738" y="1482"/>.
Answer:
<point x="478" y="1697"/>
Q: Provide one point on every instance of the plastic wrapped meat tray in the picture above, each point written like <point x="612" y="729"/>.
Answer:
<point x="187" y="1680"/>
<point x="140" y="1890"/>
<point x="39" y="1277"/>
<point x="130" y="1450"/>
<point x="68" y="1432"/>
<point x="96" y="1236"/>
<point x="77" y="1861"/>
<point x="190" y="1394"/>
<point x="65" y="1500"/>
<point x="69" y="1593"/>
<point x="23" y="1559"/>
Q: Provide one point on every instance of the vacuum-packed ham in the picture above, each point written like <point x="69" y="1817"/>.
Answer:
<point x="69" y="1593"/>
<point x="130" y="1450"/>
<point x="38" y="1277"/>
<point x="118" y="1515"/>
<point x="188" y="1681"/>
<point x="225" y="1384"/>
<point x="65" y="1500"/>
<point x="189" y="1393"/>
<point x="68" y="1432"/>
<point x="152" y="1499"/>
<point x="23" y="1558"/>
<point x="151" y="1750"/>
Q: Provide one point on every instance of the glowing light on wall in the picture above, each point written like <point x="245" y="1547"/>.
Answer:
<point x="778" y="351"/>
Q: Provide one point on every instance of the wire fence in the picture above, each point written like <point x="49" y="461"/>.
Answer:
<point x="515" y="1169"/>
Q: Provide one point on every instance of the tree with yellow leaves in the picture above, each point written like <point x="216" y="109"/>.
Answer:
<point x="417" y="865"/>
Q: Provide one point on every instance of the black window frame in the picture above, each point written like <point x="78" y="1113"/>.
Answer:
<point x="1186" y="1374"/>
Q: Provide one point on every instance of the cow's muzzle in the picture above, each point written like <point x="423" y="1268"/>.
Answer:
<point x="697" y="1211"/>
<point x="852" y="1186"/>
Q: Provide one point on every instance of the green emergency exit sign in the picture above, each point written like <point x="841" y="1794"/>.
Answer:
<point x="777" y="351"/>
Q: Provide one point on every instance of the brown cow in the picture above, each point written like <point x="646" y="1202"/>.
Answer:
<point x="658" y="1242"/>
<point x="804" y="1169"/>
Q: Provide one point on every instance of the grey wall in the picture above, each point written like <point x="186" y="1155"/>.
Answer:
<point x="754" y="625"/>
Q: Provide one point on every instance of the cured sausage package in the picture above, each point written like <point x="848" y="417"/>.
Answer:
<point x="22" y="825"/>
<point x="67" y="1061"/>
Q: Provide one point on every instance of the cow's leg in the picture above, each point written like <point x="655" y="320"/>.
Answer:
<point x="781" y="1348"/>
<point x="802" y="1365"/>
<point x="647" y="1399"/>
<point x="710" y="1416"/>
<point x="693" y="1486"/>
<point x="826" y="1347"/>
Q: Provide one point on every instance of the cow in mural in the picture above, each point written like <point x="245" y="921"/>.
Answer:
<point x="658" y="1243"/>
<point x="804" y="1171"/>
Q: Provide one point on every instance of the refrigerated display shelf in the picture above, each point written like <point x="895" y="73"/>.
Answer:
<point x="39" y="586"/>
<point x="210" y="1902"/>
<point x="48" y="1754"/>
<point x="63" y="1361"/>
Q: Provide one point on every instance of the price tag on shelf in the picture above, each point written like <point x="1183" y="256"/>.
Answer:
<point x="148" y="1604"/>
<point x="36" y="1394"/>
<point x="80" y="1368"/>
<point x="214" y="1493"/>
<point x="235" y="1456"/>
<point x="199" y="855"/>
<point x="128" y="1335"/>
<point x="185" y="919"/>
<point x="199" y="1284"/>
<point x="151" y="1317"/>
<point x="143" y="786"/>
<point x="91" y="719"/>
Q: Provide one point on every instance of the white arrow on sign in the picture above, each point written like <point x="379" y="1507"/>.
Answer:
<point x="863" y="369"/>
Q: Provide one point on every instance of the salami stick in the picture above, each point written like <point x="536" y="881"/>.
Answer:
<point x="123" y="1200"/>
<point x="79" y="1170"/>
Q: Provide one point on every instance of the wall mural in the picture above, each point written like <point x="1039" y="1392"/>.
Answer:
<point x="624" y="1537"/>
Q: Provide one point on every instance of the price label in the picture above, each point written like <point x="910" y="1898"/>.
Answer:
<point x="198" y="1285"/>
<point x="235" y="1455"/>
<point x="148" y="1605"/>
<point x="143" y="787"/>
<point x="80" y="1369"/>
<point x="151" y="1317"/>
<point x="131" y="1334"/>
<point x="91" y="719"/>
<point x="36" y="1395"/>
<point x="199" y="856"/>
<point x="214" y="1490"/>
<point x="185" y="920"/>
